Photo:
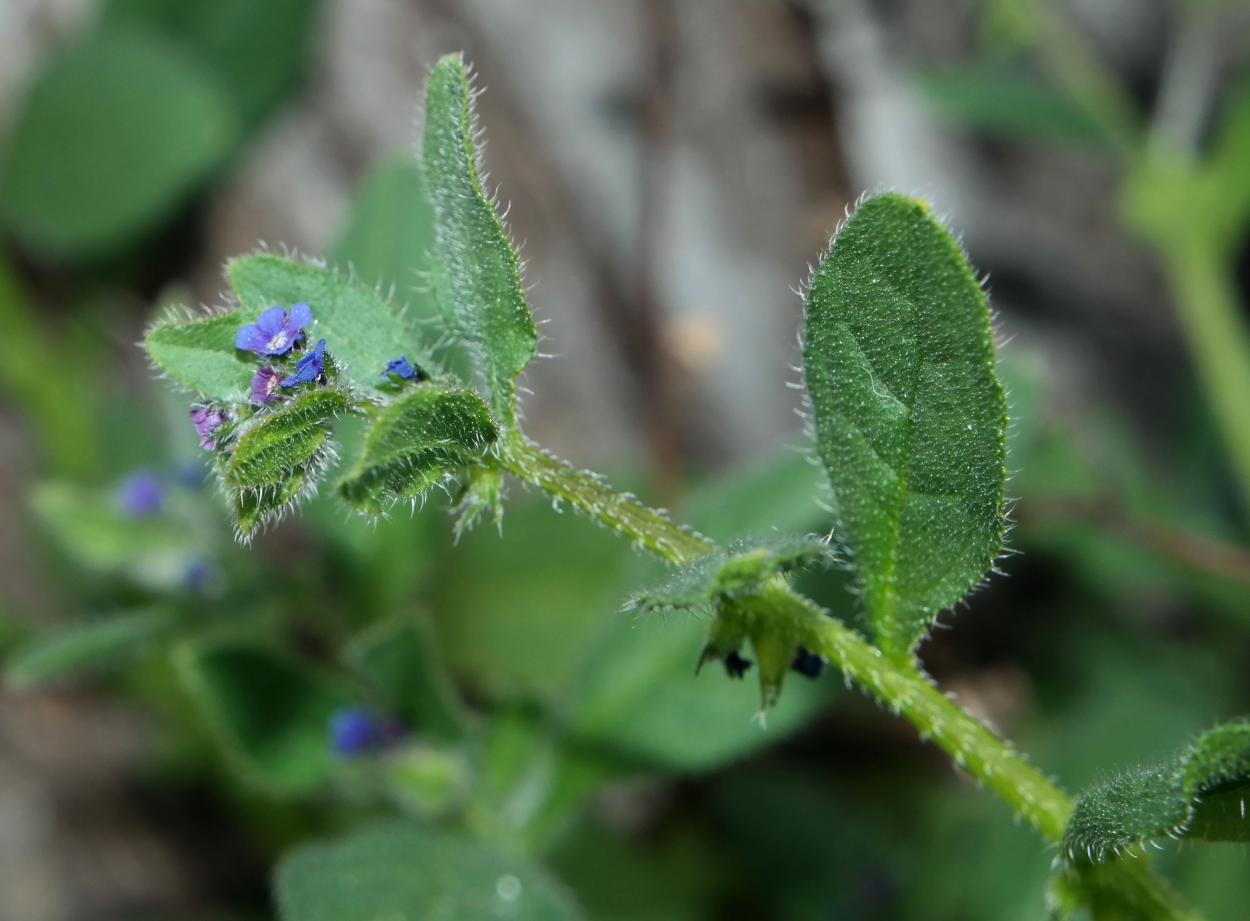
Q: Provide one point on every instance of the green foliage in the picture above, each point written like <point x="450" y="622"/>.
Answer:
<point x="278" y="455"/>
<point x="363" y="331"/>
<point x="1009" y="103"/>
<point x="910" y="418"/>
<point x="1200" y="793"/>
<point x="418" y="441"/>
<point x="477" y="274"/>
<point x="256" y="51"/>
<point x="397" y="660"/>
<point x="84" y="648"/>
<point x="269" y="712"/>
<point x="91" y="529"/>
<point x="741" y="568"/>
<point x="115" y="132"/>
<point x="199" y="354"/>
<point x="406" y="872"/>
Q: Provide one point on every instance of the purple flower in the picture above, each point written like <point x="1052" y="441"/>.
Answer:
<point x="404" y="370"/>
<point x="140" y="495"/>
<point x="264" y="383"/>
<point x="276" y="332"/>
<point x="807" y="663"/>
<point x="310" y="367"/>
<point x="357" y="731"/>
<point x="207" y="420"/>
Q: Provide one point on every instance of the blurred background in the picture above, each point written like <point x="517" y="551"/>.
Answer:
<point x="673" y="170"/>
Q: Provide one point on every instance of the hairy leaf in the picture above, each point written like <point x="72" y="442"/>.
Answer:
<point x="270" y="713"/>
<point x="114" y="133"/>
<point x="1200" y="793"/>
<point x="477" y="273"/>
<point x="199" y="354"/>
<point x="910" y="417"/>
<point x="402" y="871"/>
<point x="83" y="648"/>
<point x="363" y="331"/>
<point x="278" y="455"/>
<point x="740" y="568"/>
<point x="414" y="443"/>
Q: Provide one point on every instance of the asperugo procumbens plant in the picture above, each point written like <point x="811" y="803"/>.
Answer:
<point x="908" y="417"/>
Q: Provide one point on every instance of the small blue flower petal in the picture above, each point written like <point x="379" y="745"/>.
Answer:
<point x="275" y="332"/>
<point x="309" y="368"/>
<point x="403" y="369"/>
<point x="355" y="731"/>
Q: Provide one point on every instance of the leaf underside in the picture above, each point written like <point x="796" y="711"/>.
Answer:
<point x="910" y="419"/>
<point x="477" y="275"/>
<point x="416" y="442"/>
<point x="1201" y="793"/>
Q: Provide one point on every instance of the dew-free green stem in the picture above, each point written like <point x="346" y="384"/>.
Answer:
<point x="902" y="689"/>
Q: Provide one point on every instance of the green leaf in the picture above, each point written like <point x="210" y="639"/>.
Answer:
<point x="477" y="273"/>
<point x="257" y="51"/>
<point x="416" y="442"/>
<point x="988" y="97"/>
<point x="363" y="331"/>
<point x="1200" y="793"/>
<point x="398" y="660"/>
<point x="401" y="871"/>
<point x="199" y="354"/>
<point x="114" y="133"/>
<point x="739" y="569"/>
<point x="910" y="418"/>
<point x="84" y="648"/>
<point x="269" y="712"/>
<point x="390" y="233"/>
<point x="91" y="529"/>
<point x="278" y="454"/>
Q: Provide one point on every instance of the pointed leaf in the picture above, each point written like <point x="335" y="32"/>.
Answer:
<point x="910" y="417"/>
<point x="278" y="455"/>
<point x="269" y="712"/>
<point x="199" y="354"/>
<point x="416" y="442"/>
<point x="362" y="329"/>
<point x="83" y="648"/>
<point x="477" y="273"/>
<point x="1201" y="793"/>
<point x="402" y="871"/>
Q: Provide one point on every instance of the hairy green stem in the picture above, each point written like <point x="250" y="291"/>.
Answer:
<point x="900" y="687"/>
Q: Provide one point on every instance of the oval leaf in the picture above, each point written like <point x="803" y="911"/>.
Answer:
<point x="477" y="274"/>
<point x="910" y="417"/>
<point x="362" y="329"/>
<point x="199" y="354"/>
<point x="416" y="442"/>
<point x="1201" y="793"/>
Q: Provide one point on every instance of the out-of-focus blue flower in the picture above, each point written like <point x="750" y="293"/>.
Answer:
<point x="807" y="663"/>
<point x="202" y="577"/>
<point x="309" y="368"/>
<point x="275" y="332"/>
<point x="264" y="383"/>
<point x="207" y="420"/>
<point x="190" y="475"/>
<point x="140" y="495"/>
<point x="357" y="731"/>
<point x="404" y="370"/>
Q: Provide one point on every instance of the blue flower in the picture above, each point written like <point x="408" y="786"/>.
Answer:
<point x="357" y="731"/>
<point x="276" y="332"/>
<point x="404" y="370"/>
<point x="807" y="663"/>
<point x="264" y="383"/>
<point x="207" y="420"/>
<point x="309" y="368"/>
<point x="141" y="495"/>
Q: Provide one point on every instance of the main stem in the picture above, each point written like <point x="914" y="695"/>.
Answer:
<point x="903" y="689"/>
